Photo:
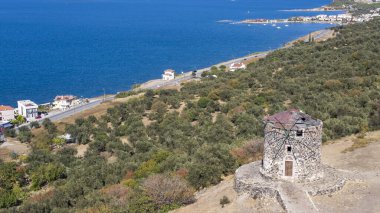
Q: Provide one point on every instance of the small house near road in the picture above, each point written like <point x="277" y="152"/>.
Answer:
<point x="237" y="66"/>
<point x="28" y="109"/>
<point x="64" y="102"/>
<point x="7" y="113"/>
<point x="169" y="74"/>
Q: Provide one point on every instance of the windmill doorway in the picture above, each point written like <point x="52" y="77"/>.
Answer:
<point x="288" y="168"/>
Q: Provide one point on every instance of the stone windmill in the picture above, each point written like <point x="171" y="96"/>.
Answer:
<point x="291" y="170"/>
<point x="292" y="146"/>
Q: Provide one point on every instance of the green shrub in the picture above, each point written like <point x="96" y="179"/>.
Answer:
<point x="224" y="201"/>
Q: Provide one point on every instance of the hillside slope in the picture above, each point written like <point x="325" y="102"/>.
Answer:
<point x="358" y="195"/>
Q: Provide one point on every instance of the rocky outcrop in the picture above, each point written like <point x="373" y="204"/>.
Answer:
<point x="291" y="195"/>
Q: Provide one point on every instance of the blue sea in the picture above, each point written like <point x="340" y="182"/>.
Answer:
<point x="79" y="47"/>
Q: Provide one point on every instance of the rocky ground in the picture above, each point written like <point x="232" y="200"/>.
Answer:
<point x="208" y="201"/>
<point x="360" y="194"/>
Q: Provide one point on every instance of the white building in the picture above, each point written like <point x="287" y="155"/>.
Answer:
<point x="64" y="102"/>
<point x="307" y="18"/>
<point x="168" y="75"/>
<point x="237" y="66"/>
<point x="7" y="113"/>
<point x="28" y="109"/>
<point x="321" y="17"/>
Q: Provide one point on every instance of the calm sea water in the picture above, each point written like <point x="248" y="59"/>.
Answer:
<point x="51" y="47"/>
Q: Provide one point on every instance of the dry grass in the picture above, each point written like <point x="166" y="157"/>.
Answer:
<point x="360" y="141"/>
<point x="5" y="154"/>
<point x="287" y="103"/>
<point x="13" y="146"/>
<point x="40" y="138"/>
<point x="146" y="121"/>
<point x="125" y="140"/>
<point x="81" y="150"/>
<point x="97" y="111"/>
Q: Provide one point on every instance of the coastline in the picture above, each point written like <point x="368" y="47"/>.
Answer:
<point x="319" y="35"/>
<point x="247" y="59"/>
<point x="104" y="60"/>
<point x="324" y="8"/>
<point x="187" y="75"/>
<point x="99" y="104"/>
<point x="284" y="21"/>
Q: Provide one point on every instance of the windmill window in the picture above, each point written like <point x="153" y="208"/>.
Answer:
<point x="299" y="133"/>
<point x="289" y="149"/>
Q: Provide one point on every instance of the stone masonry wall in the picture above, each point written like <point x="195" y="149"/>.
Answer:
<point x="305" y="152"/>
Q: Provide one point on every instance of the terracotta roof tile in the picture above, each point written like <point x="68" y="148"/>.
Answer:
<point x="4" y="108"/>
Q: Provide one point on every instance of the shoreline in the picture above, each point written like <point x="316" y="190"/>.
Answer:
<point x="159" y="83"/>
<point x="187" y="75"/>
<point x="98" y="103"/>
<point x="324" y="8"/>
<point x="284" y="21"/>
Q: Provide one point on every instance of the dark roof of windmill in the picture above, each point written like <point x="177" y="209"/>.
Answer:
<point x="292" y="119"/>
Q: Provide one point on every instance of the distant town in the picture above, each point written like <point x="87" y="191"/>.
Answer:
<point x="340" y="19"/>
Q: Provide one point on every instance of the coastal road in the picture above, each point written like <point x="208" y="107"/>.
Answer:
<point x="81" y="108"/>
<point x="319" y="35"/>
<point x="155" y="85"/>
<point x="160" y="83"/>
<point x="56" y="116"/>
<point x="188" y="75"/>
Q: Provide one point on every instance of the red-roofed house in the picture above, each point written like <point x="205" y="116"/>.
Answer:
<point x="237" y="66"/>
<point x="7" y="113"/>
<point x="63" y="102"/>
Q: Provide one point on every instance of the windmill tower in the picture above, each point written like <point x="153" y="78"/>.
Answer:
<point x="292" y="146"/>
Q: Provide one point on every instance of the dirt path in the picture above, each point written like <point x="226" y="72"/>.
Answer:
<point x="208" y="201"/>
<point x="295" y="199"/>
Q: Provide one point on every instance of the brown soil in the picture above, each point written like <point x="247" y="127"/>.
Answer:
<point x="125" y="140"/>
<point x="12" y="145"/>
<point x="81" y="149"/>
<point x="208" y="201"/>
<point x="5" y="154"/>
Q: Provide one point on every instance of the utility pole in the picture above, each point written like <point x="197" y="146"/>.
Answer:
<point x="104" y="94"/>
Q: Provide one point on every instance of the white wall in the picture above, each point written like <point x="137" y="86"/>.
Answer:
<point x="7" y="115"/>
